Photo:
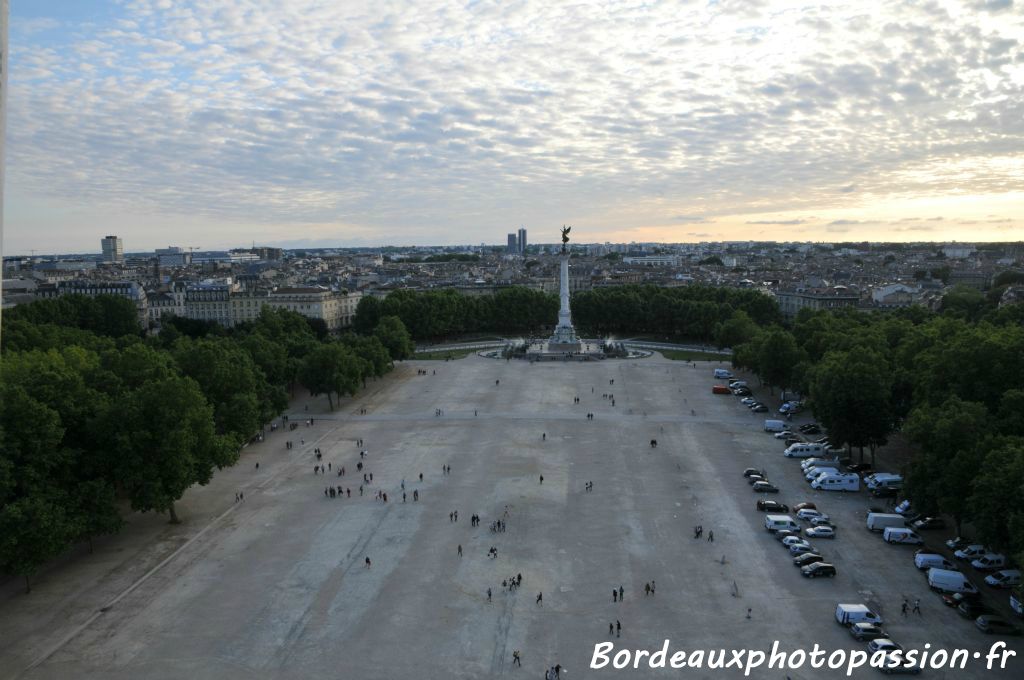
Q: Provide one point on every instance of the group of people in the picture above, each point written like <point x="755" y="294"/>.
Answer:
<point x="698" y="531"/>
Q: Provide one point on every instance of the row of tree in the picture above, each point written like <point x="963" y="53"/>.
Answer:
<point x="953" y="384"/>
<point x="93" y="414"/>
<point x="693" y="312"/>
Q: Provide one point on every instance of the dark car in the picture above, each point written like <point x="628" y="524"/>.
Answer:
<point x="996" y="625"/>
<point x="791" y="439"/>
<point x="753" y="471"/>
<point x="771" y="506"/>
<point x="898" y="665"/>
<point x="759" y="408"/>
<point x="971" y="609"/>
<point x="806" y="505"/>
<point x="818" y="569"/>
<point x="929" y="523"/>
<point x="783" y="533"/>
<point x="764" y="487"/>
<point x="866" y="631"/>
<point x="821" y="440"/>
<point x="753" y="479"/>
<point x="956" y="599"/>
<point x="742" y="392"/>
<point x="807" y="558"/>
<point x="810" y="428"/>
<point x="859" y="468"/>
<point x="883" y="492"/>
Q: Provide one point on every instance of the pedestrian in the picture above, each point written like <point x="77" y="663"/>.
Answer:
<point x="611" y="629"/>
<point x="403" y="496"/>
<point x="367" y="562"/>
<point x="241" y="495"/>
<point x="421" y="476"/>
<point x="622" y="594"/>
<point x="328" y="465"/>
<point x="647" y="589"/>
<point x="618" y="628"/>
<point x="904" y="607"/>
<point x="488" y="594"/>
<point x="711" y="536"/>
<point x="236" y="496"/>
<point x="652" y="587"/>
<point x="542" y="479"/>
<point x="917" y="606"/>
<point x="460" y="550"/>
<point x="257" y="465"/>
<point x="515" y="658"/>
<point x="615" y="595"/>
<point x="540" y="599"/>
<point x="748" y="612"/>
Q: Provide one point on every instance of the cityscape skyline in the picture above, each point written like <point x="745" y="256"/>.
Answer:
<point x="323" y="126"/>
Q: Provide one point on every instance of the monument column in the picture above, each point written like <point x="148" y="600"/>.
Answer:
<point x="564" y="317"/>
<point x="564" y="339"/>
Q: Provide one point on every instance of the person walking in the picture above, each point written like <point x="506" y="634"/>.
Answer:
<point x="904" y="607"/>
<point x="540" y="599"/>
<point x="647" y="589"/>
<point x="615" y="595"/>
<point x="611" y="629"/>
<point x="460" y="550"/>
<point x="367" y="562"/>
<point x="622" y="594"/>
<point x="618" y="628"/>
<point x="542" y="479"/>
<point x="711" y="536"/>
<point x="515" y="658"/>
<point x="917" y="606"/>
<point x="652" y="587"/>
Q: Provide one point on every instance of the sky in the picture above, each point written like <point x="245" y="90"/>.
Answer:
<point x="219" y="123"/>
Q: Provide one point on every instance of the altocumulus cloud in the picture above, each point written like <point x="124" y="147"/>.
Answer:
<point x="416" y="118"/>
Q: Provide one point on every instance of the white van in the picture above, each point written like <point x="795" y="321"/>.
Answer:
<point x="804" y="449"/>
<point x="989" y="562"/>
<point x="948" y="581"/>
<point x="849" y="614"/>
<point x="774" y="426"/>
<point x="902" y="536"/>
<point x="837" y="481"/>
<point x="927" y="561"/>
<point x="886" y="479"/>
<point x="721" y="373"/>
<point x="880" y="521"/>
<point x="1007" y="578"/>
<point x="775" y="523"/>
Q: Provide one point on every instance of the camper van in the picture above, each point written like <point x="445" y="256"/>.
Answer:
<point x="722" y="374"/>
<point x="903" y="536"/>
<point x="880" y="521"/>
<point x="849" y="614"/>
<point x="775" y="523"/>
<point x="819" y="463"/>
<point x="837" y="481"/>
<point x="774" y="426"/>
<point x="948" y="581"/>
<point x="804" y="449"/>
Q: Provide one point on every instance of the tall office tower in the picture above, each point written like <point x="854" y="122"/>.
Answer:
<point x="113" y="249"/>
<point x="513" y="247"/>
<point x="522" y="241"/>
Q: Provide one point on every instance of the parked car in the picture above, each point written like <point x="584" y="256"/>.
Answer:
<point x="810" y="428"/>
<point x="957" y="543"/>
<point x="771" y="506"/>
<point x="818" y="569"/>
<point x="720" y="389"/>
<point x="1005" y="578"/>
<point x="859" y="468"/>
<point x="996" y="625"/>
<point x="884" y="492"/>
<point x="806" y="505"/>
<point x="753" y="479"/>
<point x="971" y="609"/>
<point x="807" y="558"/>
<point x="760" y="408"/>
<point x="883" y="645"/>
<point x="742" y="391"/>
<point x="753" y="471"/>
<point x="822" y="521"/>
<point x="783" y="435"/>
<point x="800" y="549"/>
<point x="896" y="664"/>
<point x="865" y="632"/>
<point x="783" y="534"/>
<point x="820" y="532"/>
<point x="765" y="487"/>
<point x="792" y="540"/>
<point x="926" y="523"/>
<point x="748" y="401"/>
<point x="956" y="599"/>
<point x="808" y="514"/>
<point x="970" y="552"/>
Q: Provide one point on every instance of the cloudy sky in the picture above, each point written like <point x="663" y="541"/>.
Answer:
<point x="216" y="123"/>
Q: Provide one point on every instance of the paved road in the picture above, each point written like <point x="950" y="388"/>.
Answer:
<point x="276" y="586"/>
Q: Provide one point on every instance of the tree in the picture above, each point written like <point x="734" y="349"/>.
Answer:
<point x="997" y="505"/>
<point x="778" y="355"/>
<point x="391" y="333"/>
<point x="850" y="395"/>
<point x="164" y="438"/>
<point x="331" y="369"/>
<point x="739" y="328"/>
<point x="941" y="475"/>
